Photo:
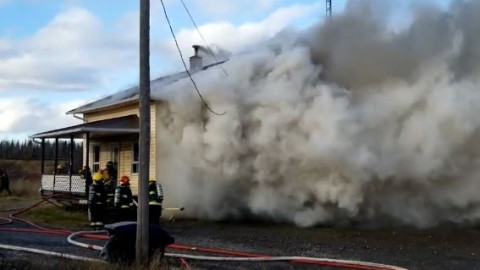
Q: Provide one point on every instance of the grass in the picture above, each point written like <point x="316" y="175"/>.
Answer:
<point x="25" y="193"/>
<point x="51" y="216"/>
<point x="24" y="184"/>
<point x="23" y="187"/>
<point x="57" y="217"/>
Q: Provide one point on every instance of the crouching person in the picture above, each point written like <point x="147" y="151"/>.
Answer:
<point x="120" y="247"/>
<point x="123" y="201"/>
<point x="97" y="198"/>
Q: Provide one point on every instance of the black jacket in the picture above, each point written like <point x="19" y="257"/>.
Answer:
<point x="97" y="193"/>
<point x="155" y="194"/>
<point x="4" y="179"/>
<point x="123" y="197"/>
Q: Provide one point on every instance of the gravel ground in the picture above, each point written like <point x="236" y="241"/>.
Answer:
<point x="438" y="248"/>
<point x="446" y="247"/>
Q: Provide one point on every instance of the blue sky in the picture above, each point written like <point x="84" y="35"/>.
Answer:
<point x="57" y="55"/>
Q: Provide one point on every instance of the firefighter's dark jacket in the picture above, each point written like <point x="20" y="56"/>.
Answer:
<point x="155" y="194"/>
<point x="97" y="193"/>
<point x="123" y="197"/>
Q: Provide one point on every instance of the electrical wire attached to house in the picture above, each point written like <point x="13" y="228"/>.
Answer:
<point x="201" y="36"/>
<point x="185" y="65"/>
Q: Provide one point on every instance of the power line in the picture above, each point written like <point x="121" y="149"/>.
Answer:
<point x="201" y="36"/>
<point x="185" y="65"/>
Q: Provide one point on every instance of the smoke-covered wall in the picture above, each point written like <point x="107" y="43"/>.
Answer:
<point x="349" y="121"/>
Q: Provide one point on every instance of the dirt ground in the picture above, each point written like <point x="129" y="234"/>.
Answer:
<point x="441" y="248"/>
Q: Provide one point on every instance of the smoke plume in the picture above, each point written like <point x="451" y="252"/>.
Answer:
<point x="347" y="121"/>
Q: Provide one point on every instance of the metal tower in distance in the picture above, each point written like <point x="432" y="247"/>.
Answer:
<point x="329" y="8"/>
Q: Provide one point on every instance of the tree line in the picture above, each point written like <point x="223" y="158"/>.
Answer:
<point x="30" y="150"/>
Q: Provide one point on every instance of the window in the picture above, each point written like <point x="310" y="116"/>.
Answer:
<point x="115" y="154"/>
<point x="135" y="154"/>
<point x="96" y="158"/>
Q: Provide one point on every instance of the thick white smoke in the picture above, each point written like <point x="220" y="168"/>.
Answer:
<point x="348" y="121"/>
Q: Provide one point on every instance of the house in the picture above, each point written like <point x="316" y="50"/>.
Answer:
<point x="110" y="132"/>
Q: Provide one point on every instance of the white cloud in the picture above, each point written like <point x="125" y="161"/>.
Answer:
<point x="221" y="7"/>
<point x="19" y="115"/>
<point x="74" y="51"/>
<point x="235" y="38"/>
<point x="227" y="7"/>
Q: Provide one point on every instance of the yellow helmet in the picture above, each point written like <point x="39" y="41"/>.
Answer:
<point x="97" y="177"/>
<point x="152" y="180"/>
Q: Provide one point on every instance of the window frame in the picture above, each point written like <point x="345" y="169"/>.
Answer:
<point x="95" y="162"/>
<point x="115" y="154"/>
<point x="135" y="162"/>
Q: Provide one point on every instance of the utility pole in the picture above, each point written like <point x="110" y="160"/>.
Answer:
<point x="329" y="8"/>
<point x="142" y="257"/>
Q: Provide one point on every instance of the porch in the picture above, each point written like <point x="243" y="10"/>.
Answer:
<point x="69" y="183"/>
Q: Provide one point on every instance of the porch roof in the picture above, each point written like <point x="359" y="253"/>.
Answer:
<point x="115" y="126"/>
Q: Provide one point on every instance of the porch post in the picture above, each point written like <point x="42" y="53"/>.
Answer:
<point x="87" y="159"/>
<point x="43" y="156"/>
<point x="87" y="155"/>
<point x="72" y="146"/>
<point x="43" y="165"/>
<point x="55" y="163"/>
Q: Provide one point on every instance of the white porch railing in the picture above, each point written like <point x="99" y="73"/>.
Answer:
<point x="61" y="183"/>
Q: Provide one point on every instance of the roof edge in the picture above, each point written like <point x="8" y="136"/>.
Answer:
<point x="101" y="108"/>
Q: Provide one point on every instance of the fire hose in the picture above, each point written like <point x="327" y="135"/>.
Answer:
<point x="232" y="255"/>
<point x="50" y="253"/>
<point x="256" y="258"/>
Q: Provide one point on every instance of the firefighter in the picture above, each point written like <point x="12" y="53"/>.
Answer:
<point x="96" y="201"/>
<point x="155" y="199"/>
<point x="110" y="178"/>
<point x="86" y="174"/>
<point x="112" y="171"/>
<point x="4" y="182"/>
<point x="61" y="168"/>
<point x="124" y="200"/>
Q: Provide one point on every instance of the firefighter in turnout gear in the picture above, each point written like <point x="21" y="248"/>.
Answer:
<point x="97" y="198"/>
<point x="4" y="182"/>
<point x="124" y="200"/>
<point x="110" y="178"/>
<point x="155" y="199"/>
<point x="86" y="174"/>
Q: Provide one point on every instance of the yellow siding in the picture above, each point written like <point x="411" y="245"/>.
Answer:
<point x="112" y="113"/>
<point x="153" y="142"/>
<point x="126" y="144"/>
<point x="125" y="168"/>
<point x="105" y="153"/>
<point x="127" y="154"/>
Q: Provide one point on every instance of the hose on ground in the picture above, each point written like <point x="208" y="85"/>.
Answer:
<point x="5" y="221"/>
<point x="259" y="258"/>
<point x="299" y="259"/>
<point x="80" y="244"/>
<point x="50" y="253"/>
<point x="240" y="256"/>
<point x="13" y="216"/>
<point x="185" y="263"/>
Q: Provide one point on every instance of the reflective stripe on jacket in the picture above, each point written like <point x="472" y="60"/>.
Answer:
<point x="123" y="197"/>
<point x="97" y="194"/>
<point x="155" y="194"/>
